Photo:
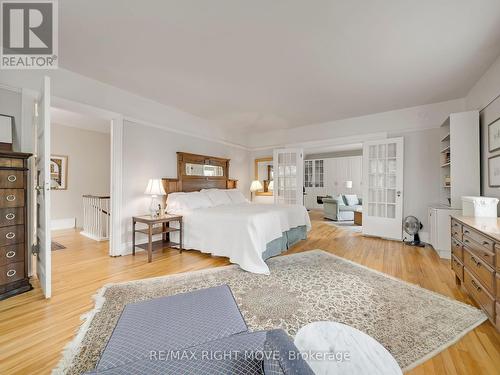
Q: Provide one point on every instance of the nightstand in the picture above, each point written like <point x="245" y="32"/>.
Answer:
<point x="152" y="229"/>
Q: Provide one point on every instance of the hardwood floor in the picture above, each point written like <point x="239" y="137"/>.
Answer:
<point x="33" y="331"/>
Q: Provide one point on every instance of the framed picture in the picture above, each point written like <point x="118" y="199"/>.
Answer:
<point x="494" y="136"/>
<point x="494" y="171"/>
<point x="58" y="172"/>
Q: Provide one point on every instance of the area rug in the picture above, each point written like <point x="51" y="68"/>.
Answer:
<point x="413" y="323"/>
<point x="348" y="225"/>
<point x="56" y="246"/>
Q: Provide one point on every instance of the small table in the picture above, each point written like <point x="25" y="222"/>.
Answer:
<point x="151" y="230"/>
<point x="335" y="348"/>
<point x="358" y="217"/>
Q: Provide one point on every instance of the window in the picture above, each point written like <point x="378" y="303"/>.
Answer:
<point x="308" y="173"/>
<point x="313" y="173"/>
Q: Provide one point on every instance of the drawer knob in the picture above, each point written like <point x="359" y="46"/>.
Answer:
<point x="486" y="243"/>
<point x="10" y="254"/>
<point x="12" y="178"/>
<point x="11" y="273"/>
<point x="11" y="198"/>
<point x="10" y="235"/>
<point x="10" y="216"/>
<point x="478" y="288"/>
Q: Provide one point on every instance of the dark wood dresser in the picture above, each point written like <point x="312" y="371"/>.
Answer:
<point x="13" y="224"/>
<point x="475" y="259"/>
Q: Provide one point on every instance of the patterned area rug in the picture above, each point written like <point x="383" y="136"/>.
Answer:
<point x="347" y="225"/>
<point x="56" y="246"/>
<point x="413" y="323"/>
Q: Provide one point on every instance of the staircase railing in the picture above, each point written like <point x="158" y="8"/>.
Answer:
<point x="96" y="217"/>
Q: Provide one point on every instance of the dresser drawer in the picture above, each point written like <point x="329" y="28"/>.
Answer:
<point x="11" y="272"/>
<point x="456" y="231"/>
<point x="11" y="163"/>
<point x="480" y="251"/>
<point x="457" y="249"/>
<point x="11" y="235"/>
<point x="457" y="267"/>
<point x="11" y="254"/>
<point x="498" y="288"/>
<point x="11" y="179"/>
<point x="497" y="251"/>
<point x="11" y="216"/>
<point x="456" y="226"/>
<point x="479" y="238"/>
<point x="498" y="316"/>
<point x="484" y="273"/>
<point x="11" y="198"/>
<point x="479" y="294"/>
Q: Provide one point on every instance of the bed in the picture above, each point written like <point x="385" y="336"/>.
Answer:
<point x="217" y="219"/>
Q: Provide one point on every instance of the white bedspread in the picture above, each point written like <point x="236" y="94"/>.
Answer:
<point x="240" y="231"/>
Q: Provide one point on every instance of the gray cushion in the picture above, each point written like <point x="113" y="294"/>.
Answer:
<point x="283" y="357"/>
<point x="172" y="323"/>
<point x="340" y="200"/>
<point x="351" y="199"/>
<point x="243" y="355"/>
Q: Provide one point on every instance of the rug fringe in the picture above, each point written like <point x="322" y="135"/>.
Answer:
<point x="73" y="347"/>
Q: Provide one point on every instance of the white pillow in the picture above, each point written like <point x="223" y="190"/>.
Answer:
<point x="236" y="196"/>
<point x="176" y="202"/>
<point x="197" y="199"/>
<point x="352" y="200"/>
<point x="217" y="196"/>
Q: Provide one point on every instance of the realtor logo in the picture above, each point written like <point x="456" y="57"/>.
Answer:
<point x="28" y="34"/>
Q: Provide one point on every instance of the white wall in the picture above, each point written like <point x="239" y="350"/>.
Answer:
<point x="484" y="96"/>
<point x="408" y="119"/>
<point x="150" y="152"/>
<point x="88" y="169"/>
<point x="422" y="172"/>
<point x="10" y="104"/>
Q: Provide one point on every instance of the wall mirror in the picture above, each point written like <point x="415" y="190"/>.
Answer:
<point x="204" y="170"/>
<point x="264" y="173"/>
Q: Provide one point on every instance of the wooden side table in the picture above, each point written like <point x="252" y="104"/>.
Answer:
<point x="358" y="218"/>
<point x="153" y="229"/>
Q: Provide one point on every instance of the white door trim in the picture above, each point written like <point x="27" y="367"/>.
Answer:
<point x="376" y="218"/>
<point x="116" y="150"/>
<point x="115" y="246"/>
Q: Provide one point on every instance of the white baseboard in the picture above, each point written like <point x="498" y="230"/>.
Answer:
<point x="56" y="224"/>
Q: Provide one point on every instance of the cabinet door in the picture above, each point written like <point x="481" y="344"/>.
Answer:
<point x="432" y="226"/>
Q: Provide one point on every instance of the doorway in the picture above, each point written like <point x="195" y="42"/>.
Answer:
<point x="80" y="175"/>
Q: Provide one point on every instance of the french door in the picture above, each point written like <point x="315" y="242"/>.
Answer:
<point x="383" y="188"/>
<point x="288" y="176"/>
<point x="42" y="180"/>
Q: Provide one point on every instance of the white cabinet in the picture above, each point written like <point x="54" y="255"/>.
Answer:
<point x="440" y="229"/>
<point x="460" y="158"/>
<point x="459" y="161"/>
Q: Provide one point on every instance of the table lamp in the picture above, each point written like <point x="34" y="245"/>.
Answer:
<point x="155" y="188"/>
<point x="256" y="186"/>
<point x="271" y="185"/>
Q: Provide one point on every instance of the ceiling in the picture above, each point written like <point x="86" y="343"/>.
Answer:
<point x="77" y="120"/>
<point x="261" y="65"/>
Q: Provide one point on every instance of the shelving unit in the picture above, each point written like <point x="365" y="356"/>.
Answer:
<point x="459" y="162"/>
<point x="459" y="158"/>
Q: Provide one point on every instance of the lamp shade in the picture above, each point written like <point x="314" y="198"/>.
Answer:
<point x="256" y="185"/>
<point x="155" y="187"/>
<point x="271" y="185"/>
<point x="348" y="184"/>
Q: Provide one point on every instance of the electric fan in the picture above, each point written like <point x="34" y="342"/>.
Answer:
<point x="412" y="225"/>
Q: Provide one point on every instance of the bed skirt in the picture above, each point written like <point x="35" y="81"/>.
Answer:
<point x="287" y="240"/>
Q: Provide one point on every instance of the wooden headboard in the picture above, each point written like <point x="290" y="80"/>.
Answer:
<point x="185" y="183"/>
